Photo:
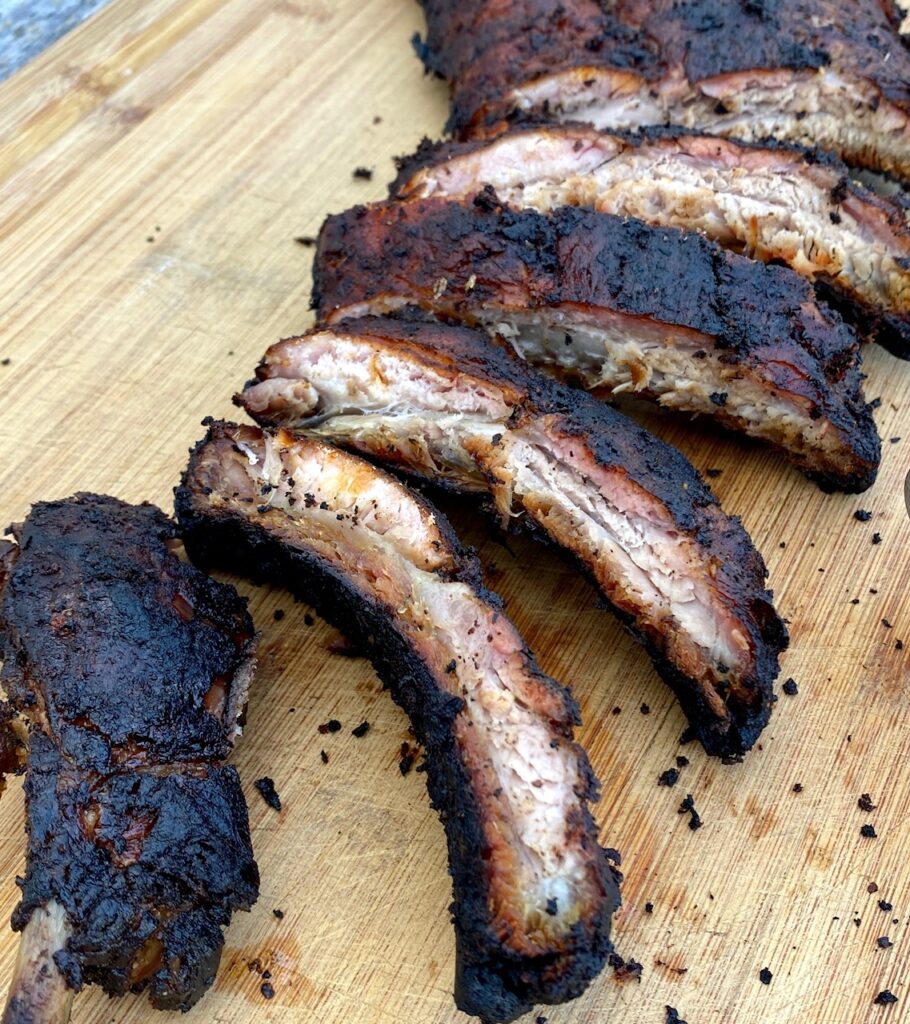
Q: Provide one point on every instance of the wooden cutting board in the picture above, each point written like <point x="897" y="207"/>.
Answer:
<point x="155" y="167"/>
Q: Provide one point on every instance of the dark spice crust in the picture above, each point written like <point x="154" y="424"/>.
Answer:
<point x="659" y="469"/>
<point x="114" y="638"/>
<point x="456" y="257"/>
<point x="487" y="49"/>
<point x="110" y="644"/>
<point x="491" y="981"/>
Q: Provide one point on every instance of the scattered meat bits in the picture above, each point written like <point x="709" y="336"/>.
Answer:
<point x="862" y="515"/>
<point x="361" y="730"/>
<point x="332" y="725"/>
<point x="668" y="778"/>
<point x="865" y="804"/>
<point x="883" y="942"/>
<point x="885" y="998"/>
<point x="765" y="976"/>
<point x="363" y="173"/>
<point x="268" y="792"/>
<point x="868" y="832"/>
<point x="688" y="807"/>
<point x="790" y="688"/>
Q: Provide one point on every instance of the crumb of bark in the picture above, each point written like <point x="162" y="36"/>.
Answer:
<point x="797" y="787"/>
<point x="765" y="976"/>
<point x="324" y="757"/>
<point x="883" y="942"/>
<point x="885" y="998"/>
<point x="876" y="538"/>
<point x="885" y="906"/>
<point x="268" y="792"/>
<point x="332" y="725"/>
<point x="363" y="173"/>
<point x="306" y="240"/>
<point x="865" y="803"/>
<point x="344" y="647"/>
<point x="266" y="989"/>
<point x="862" y="515"/>
<point x="649" y="907"/>
<point x="668" y="778"/>
<point x="688" y="807"/>
<point x="279" y="914"/>
<point x="645" y="710"/>
<point x="361" y="730"/>
<point x="868" y="832"/>
<point x="790" y="688"/>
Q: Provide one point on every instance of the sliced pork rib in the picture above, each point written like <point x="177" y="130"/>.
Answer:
<point x="806" y="71"/>
<point x="767" y="201"/>
<point x="619" y="306"/>
<point x="131" y="667"/>
<point x="442" y="402"/>
<point x="533" y="890"/>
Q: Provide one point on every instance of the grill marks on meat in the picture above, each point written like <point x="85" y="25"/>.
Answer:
<point x="797" y="70"/>
<point x="533" y="890"/>
<point x="132" y="668"/>
<point x="766" y="201"/>
<point x="442" y="402"/>
<point x="619" y="306"/>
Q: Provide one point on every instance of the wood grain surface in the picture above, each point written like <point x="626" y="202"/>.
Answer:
<point x="155" y="167"/>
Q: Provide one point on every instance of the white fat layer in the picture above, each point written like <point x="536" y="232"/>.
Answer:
<point x="531" y="781"/>
<point x="629" y="357"/>
<point x="637" y="549"/>
<point x="768" y="204"/>
<point x="813" y="108"/>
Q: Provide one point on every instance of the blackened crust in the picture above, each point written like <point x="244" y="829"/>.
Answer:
<point x="456" y="257"/>
<point x="487" y="49"/>
<point x="492" y="981"/>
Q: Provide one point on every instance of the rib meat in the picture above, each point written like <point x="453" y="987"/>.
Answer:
<point x="806" y="71"/>
<point x="619" y="306"/>
<point x="442" y="402"/>
<point x="533" y="889"/>
<point x="132" y="668"/>
<point x="770" y="202"/>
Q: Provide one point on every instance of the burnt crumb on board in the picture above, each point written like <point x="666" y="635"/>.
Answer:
<point x="718" y="398"/>
<point x="673" y="1016"/>
<point x="308" y="619"/>
<point x="681" y="761"/>
<point x="668" y="778"/>
<point x="541" y="1020"/>
<point x="669" y="967"/>
<point x="887" y="624"/>
<point x="363" y="173"/>
<point x="406" y="757"/>
<point x="267" y="990"/>
<point x="797" y="787"/>
<point x="324" y="757"/>
<point x="876" y="538"/>
<point x="865" y="804"/>
<point x="624" y="970"/>
<point x="649" y="907"/>
<point x="688" y="807"/>
<point x="645" y="709"/>
<point x="332" y="725"/>
<point x="862" y="515"/>
<point x="5" y="361"/>
<point x="894" y="440"/>
<point x="268" y="792"/>
<point x="278" y="913"/>
<point x="868" y="832"/>
<point x="885" y="906"/>
<point x="361" y="730"/>
<point x="790" y="688"/>
<point x="308" y="241"/>
<point x="278" y="614"/>
<point x="883" y="942"/>
<point x="885" y="998"/>
<point x="765" y="976"/>
<point x="713" y="473"/>
<point x="871" y="887"/>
